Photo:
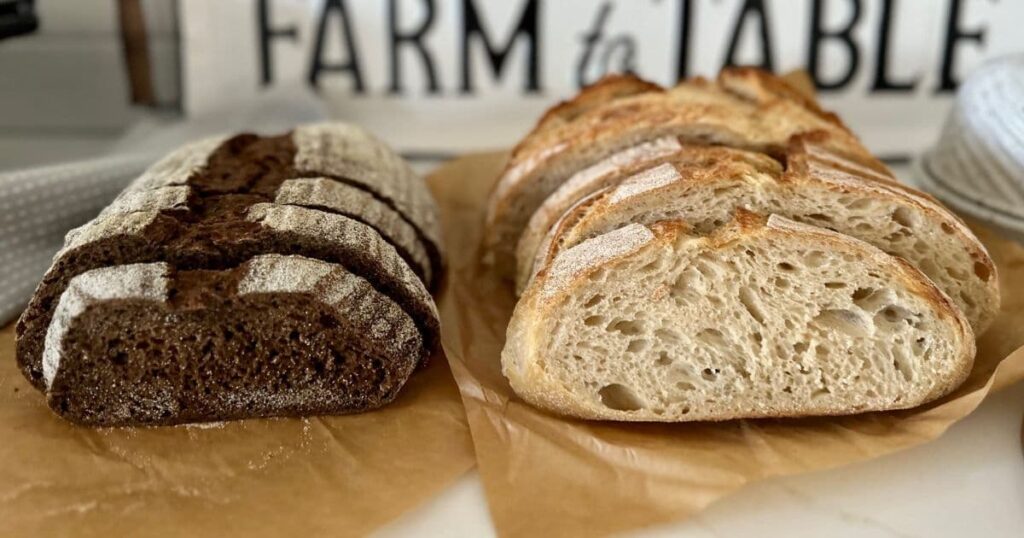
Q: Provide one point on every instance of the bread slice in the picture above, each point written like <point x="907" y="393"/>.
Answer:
<point x="349" y="153"/>
<point x="764" y="318"/>
<point x="696" y="111"/>
<point x="216" y="212"/>
<point x="704" y="194"/>
<point x="146" y="344"/>
<point x="612" y="171"/>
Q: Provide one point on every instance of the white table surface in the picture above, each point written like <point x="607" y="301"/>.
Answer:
<point x="969" y="482"/>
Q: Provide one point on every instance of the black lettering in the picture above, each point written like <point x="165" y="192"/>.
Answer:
<point x="590" y="41"/>
<point x="526" y="27"/>
<point x="954" y="35"/>
<point x="268" y="33"/>
<point x="842" y="35"/>
<point x="685" y="35"/>
<point x="351" y="66"/>
<point x="413" y="39"/>
<point x="752" y="8"/>
<point x="883" y="82"/>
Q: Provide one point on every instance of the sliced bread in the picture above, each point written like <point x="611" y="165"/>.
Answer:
<point x="214" y="205"/>
<point x="764" y="318"/>
<point x="705" y="193"/>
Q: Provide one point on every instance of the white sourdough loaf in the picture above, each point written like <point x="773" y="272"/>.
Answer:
<point x="764" y="318"/>
<point x="723" y="250"/>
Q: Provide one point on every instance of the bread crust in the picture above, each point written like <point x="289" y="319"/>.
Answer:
<point x="524" y="366"/>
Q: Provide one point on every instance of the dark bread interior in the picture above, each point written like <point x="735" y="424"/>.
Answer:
<point x="210" y="354"/>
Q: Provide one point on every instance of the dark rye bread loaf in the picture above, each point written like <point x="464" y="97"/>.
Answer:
<point x="277" y="335"/>
<point x="216" y="204"/>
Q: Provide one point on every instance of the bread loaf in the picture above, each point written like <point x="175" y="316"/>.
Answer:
<point x="765" y="317"/>
<point x="330" y="196"/>
<point x="723" y="250"/>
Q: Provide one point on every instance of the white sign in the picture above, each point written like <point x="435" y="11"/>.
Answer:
<point x="446" y="76"/>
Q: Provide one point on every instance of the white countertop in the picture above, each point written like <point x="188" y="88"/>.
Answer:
<point x="969" y="482"/>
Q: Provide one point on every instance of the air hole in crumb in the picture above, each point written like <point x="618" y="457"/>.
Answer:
<point x="786" y="266"/>
<point x="956" y="273"/>
<point x="862" y="203"/>
<point x="625" y="326"/>
<point x="862" y="293"/>
<point x="710" y="374"/>
<point x="902" y="364"/>
<point x="820" y="216"/>
<point x="800" y="347"/>
<point x="685" y="385"/>
<point x="751" y="302"/>
<point x="663" y="359"/>
<point x="667" y="335"/>
<point x="820" y="393"/>
<point x="637" y="346"/>
<point x="982" y="271"/>
<point x="712" y="337"/>
<point x="946" y="227"/>
<point x="967" y="299"/>
<point x="893" y="313"/>
<point x="904" y="216"/>
<point x="620" y="398"/>
<point x="844" y="321"/>
<point x="593" y="321"/>
<point x="815" y="258"/>
<point x="781" y="283"/>
<point x="593" y="300"/>
<point x="835" y="285"/>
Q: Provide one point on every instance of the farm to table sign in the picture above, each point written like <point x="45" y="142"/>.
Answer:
<point x="437" y="77"/>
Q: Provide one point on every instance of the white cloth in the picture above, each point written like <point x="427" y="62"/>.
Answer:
<point x="39" y="205"/>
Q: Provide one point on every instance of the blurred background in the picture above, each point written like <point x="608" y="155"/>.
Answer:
<point x="440" y="77"/>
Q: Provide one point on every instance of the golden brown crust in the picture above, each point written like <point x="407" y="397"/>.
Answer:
<point x="608" y="88"/>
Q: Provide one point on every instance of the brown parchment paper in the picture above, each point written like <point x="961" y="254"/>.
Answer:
<point x="326" y="476"/>
<point x="550" y="476"/>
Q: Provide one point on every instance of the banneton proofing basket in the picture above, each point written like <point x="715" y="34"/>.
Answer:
<point x="977" y="165"/>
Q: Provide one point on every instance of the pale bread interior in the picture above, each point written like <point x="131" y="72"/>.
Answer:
<point x="776" y="319"/>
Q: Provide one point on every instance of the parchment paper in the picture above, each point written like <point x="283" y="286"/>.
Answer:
<point x="550" y="476"/>
<point x="328" y="476"/>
